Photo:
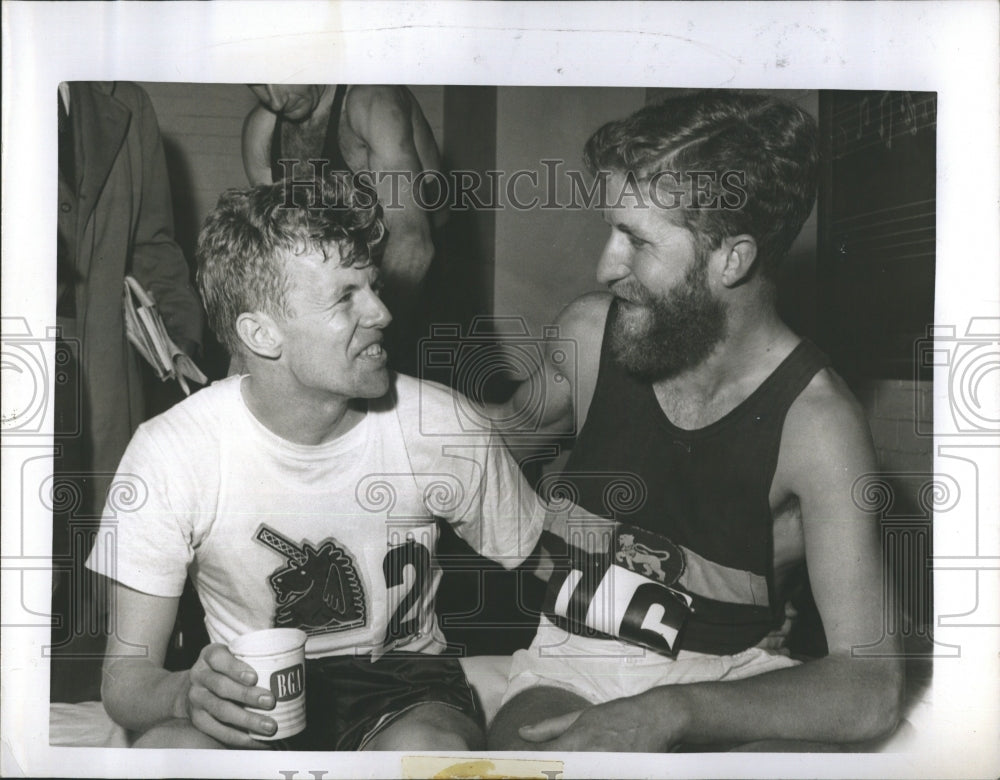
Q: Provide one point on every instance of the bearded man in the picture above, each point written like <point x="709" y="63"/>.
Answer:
<point x="742" y="446"/>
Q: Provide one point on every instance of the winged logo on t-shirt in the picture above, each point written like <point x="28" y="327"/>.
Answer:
<point x="319" y="590"/>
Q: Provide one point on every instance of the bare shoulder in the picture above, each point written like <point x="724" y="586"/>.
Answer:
<point x="365" y="102"/>
<point x="364" y="94"/>
<point x="258" y="127"/>
<point x="826" y="403"/>
<point x="260" y="120"/>
<point x="584" y="317"/>
<point x="582" y="324"/>
<point x="826" y="443"/>
<point x="259" y="123"/>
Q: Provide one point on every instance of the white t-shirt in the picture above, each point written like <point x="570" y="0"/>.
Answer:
<point x="337" y="539"/>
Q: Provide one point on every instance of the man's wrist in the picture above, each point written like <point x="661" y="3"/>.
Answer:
<point x="181" y="702"/>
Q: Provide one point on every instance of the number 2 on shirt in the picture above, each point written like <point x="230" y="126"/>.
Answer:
<point x="407" y="565"/>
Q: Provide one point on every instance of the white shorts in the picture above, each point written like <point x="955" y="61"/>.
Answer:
<point x="600" y="670"/>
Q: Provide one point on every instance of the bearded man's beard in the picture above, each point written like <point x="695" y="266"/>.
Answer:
<point x="659" y="337"/>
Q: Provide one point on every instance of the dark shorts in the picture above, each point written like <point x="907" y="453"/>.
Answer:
<point x="349" y="699"/>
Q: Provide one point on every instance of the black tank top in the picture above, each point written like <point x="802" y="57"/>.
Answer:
<point x="331" y="144"/>
<point x="706" y="490"/>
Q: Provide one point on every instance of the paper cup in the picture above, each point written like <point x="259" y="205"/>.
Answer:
<point x="278" y="656"/>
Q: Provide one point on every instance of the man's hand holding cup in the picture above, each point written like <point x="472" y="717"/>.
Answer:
<point x="222" y="689"/>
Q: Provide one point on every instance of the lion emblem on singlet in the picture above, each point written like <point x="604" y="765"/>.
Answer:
<point x="318" y="590"/>
<point x="636" y="556"/>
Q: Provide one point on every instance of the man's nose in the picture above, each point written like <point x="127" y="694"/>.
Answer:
<point x="376" y="314"/>
<point x="613" y="264"/>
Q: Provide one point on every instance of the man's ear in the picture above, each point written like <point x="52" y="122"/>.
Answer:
<point x="260" y="334"/>
<point x="741" y="252"/>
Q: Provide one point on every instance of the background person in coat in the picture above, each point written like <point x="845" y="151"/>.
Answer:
<point x="114" y="219"/>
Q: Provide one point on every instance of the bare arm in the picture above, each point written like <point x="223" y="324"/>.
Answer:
<point x="381" y="117"/>
<point x="258" y="128"/>
<point x="143" y="626"/>
<point x="139" y="693"/>
<point x="840" y="698"/>
<point x="826" y="447"/>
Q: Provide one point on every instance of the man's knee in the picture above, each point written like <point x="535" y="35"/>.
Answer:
<point x="178" y="733"/>
<point x="430" y="726"/>
<point x="530" y="706"/>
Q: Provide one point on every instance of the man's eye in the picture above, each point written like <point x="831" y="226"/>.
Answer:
<point x="345" y="298"/>
<point x="636" y="242"/>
